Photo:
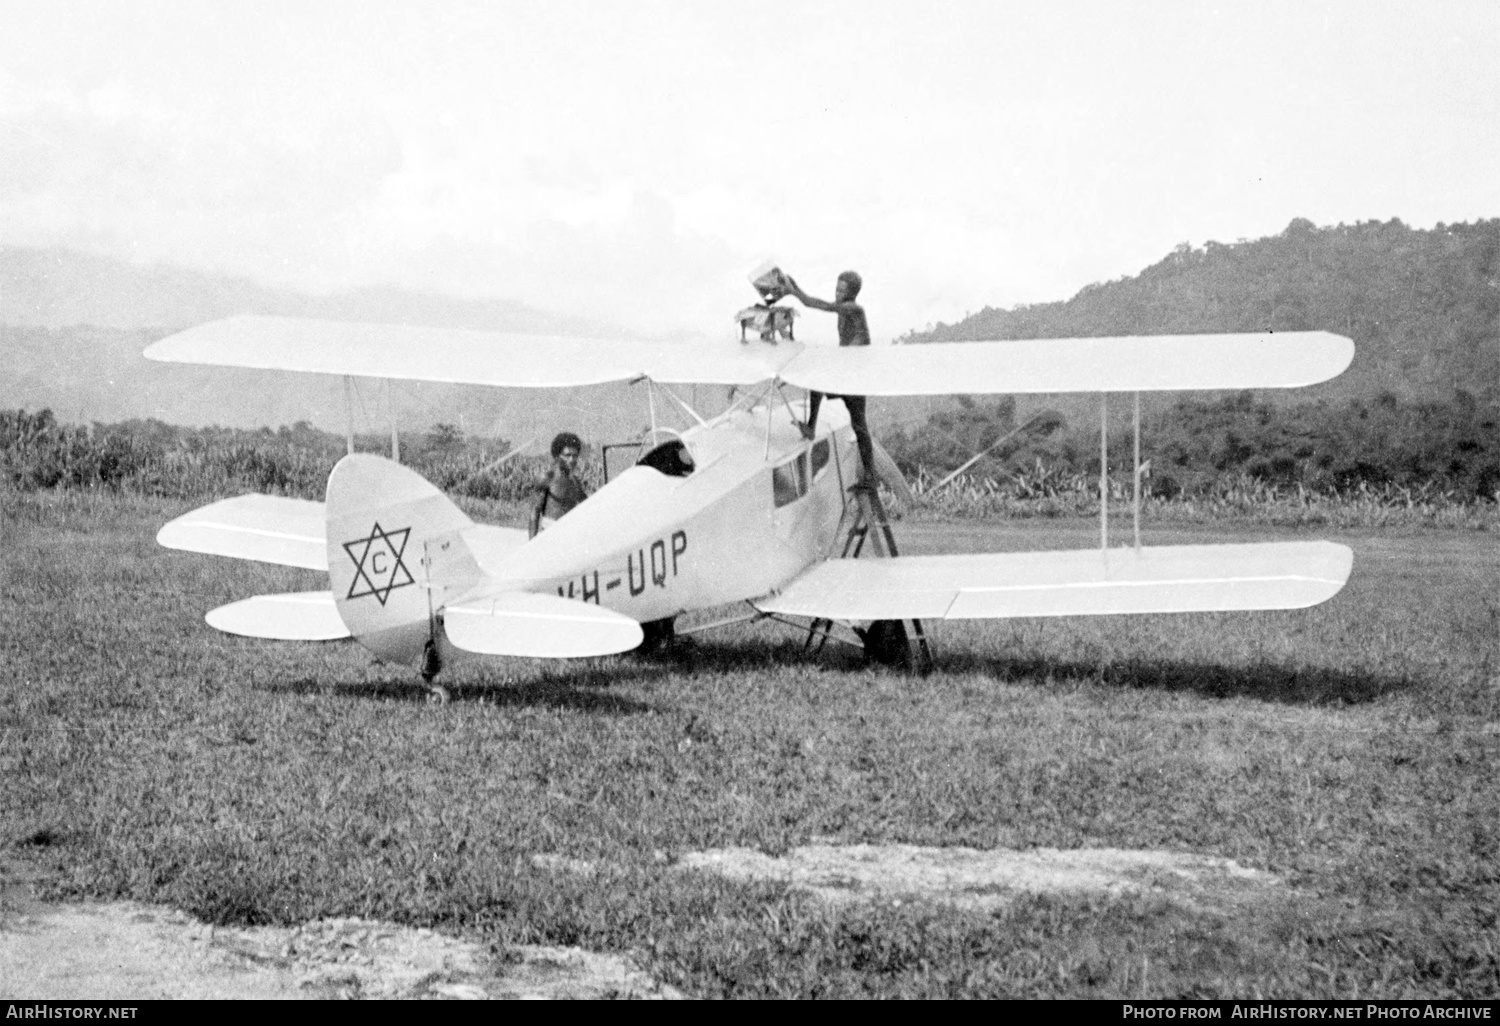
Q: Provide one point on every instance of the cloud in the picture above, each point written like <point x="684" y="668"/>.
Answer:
<point x="630" y="262"/>
<point x="106" y="169"/>
<point x="632" y="162"/>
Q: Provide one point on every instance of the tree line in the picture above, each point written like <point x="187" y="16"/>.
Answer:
<point x="1419" y="407"/>
<point x="1197" y="445"/>
<point x="1422" y="305"/>
<point x="1195" y="448"/>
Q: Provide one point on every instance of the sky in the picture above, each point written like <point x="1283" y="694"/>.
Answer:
<point x="631" y="162"/>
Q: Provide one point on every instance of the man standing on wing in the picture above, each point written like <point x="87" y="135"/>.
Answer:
<point x="853" y="331"/>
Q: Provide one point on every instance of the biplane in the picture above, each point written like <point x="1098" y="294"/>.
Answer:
<point x="737" y="508"/>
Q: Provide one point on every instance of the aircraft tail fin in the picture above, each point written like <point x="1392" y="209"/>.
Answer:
<point x="395" y="554"/>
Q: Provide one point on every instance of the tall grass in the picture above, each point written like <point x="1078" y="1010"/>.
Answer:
<point x="151" y="458"/>
<point x="1041" y="491"/>
<point x="155" y="459"/>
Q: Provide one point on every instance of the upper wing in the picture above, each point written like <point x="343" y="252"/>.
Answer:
<point x="1135" y="363"/>
<point x="1157" y="579"/>
<point x="463" y="356"/>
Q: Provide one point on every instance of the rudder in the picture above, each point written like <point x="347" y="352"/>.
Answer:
<point x="394" y="556"/>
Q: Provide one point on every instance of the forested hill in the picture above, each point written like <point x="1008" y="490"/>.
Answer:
<point x="1423" y="306"/>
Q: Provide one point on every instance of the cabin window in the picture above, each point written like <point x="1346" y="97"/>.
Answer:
<point x="671" y="458"/>
<point x="819" y="457"/>
<point x="789" y="481"/>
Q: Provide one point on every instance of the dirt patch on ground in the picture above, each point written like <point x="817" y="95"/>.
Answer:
<point x="124" y="950"/>
<point x="973" y="879"/>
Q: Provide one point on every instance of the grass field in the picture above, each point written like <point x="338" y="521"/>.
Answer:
<point x="1350" y="749"/>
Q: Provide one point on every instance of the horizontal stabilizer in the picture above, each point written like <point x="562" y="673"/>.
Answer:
<point x="1155" y="579"/>
<point x="267" y="528"/>
<point x="1136" y="363"/>
<point x="299" y="616"/>
<point x="539" y="627"/>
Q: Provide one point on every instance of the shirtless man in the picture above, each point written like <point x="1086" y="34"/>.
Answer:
<point x="853" y="331"/>
<point x="561" y="491"/>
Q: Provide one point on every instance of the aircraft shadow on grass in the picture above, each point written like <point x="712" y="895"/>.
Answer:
<point x="586" y="685"/>
<point x="584" y="689"/>
<point x="1286" y="685"/>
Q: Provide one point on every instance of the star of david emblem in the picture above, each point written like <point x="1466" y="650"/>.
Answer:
<point x="377" y="563"/>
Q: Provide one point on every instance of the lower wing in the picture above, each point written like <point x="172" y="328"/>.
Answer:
<point x="1156" y="579"/>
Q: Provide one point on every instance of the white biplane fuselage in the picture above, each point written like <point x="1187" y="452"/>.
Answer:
<point x="726" y="511"/>
<point x="759" y="505"/>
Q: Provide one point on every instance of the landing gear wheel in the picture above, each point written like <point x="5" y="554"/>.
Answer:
<point x="432" y="662"/>
<point x="658" y="636"/>
<point x="432" y="665"/>
<point x="885" y="643"/>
